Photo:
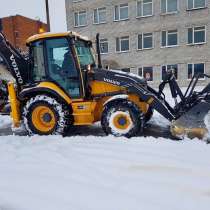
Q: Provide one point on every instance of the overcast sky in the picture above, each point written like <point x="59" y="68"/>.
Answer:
<point x="36" y="9"/>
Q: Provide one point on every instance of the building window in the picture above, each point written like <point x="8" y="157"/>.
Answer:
<point x="75" y="1"/>
<point x="169" y="38"/>
<point x="145" y="41"/>
<point x="99" y="15"/>
<point x="173" y="67"/>
<point x="104" y="46"/>
<point x="144" y="8"/>
<point x="126" y="70"/>
<point x="122" y="44"/>
<point x="146" y="72"/>
<point x="121" y="12"/>
<point x="194" y="69"/>
<point x="197" y="35"/>
<point x="196" y="4"/>
<point x="169" y="6"/>
<point x="80" y="18"/>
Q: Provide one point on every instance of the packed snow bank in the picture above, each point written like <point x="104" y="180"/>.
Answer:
<point x="5" y="121"/>
<point x="103" y="173"/>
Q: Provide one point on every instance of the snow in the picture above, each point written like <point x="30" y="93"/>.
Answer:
<point x="120" y="96"/>
<point x="103" y="173"/>
<point x="5" y="74"/>
<point x="4" y="121"/>
<point x="126" y="74"/>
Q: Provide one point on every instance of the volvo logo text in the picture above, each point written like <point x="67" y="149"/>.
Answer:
<point x="16" y="69"/>
<point x="112" y="81"/>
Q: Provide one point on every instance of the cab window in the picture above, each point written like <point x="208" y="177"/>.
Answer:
<point x="84" y="53"/>
<point x="38" y="68"/>
<point x="61" y="66"/>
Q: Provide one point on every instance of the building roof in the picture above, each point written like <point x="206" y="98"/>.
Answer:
<point x="21" y="16"/>
<point x="54" y="35"/>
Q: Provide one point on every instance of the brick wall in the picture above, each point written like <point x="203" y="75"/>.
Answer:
<point x="18" y="29"/>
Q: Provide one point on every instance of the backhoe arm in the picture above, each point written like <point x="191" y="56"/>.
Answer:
<point x="15" y="62"/>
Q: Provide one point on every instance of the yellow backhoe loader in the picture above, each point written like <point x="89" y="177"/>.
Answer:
<point x="60" y="85"/>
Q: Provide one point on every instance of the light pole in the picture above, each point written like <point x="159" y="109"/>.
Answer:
<point x="48" y="15"/>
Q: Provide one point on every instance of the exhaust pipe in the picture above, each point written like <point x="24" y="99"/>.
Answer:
<point x="98" y="51"/>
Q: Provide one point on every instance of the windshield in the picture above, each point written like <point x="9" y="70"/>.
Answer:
<point x="84" y="53"/>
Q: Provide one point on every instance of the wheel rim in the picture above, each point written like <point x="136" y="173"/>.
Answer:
<point x="43" y="118"/>
<point x="121" y="122"/>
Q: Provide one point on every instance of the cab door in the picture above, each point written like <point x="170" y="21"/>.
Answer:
<point x="61" y="66"/>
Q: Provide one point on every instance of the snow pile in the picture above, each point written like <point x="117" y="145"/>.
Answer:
<point x="103" y="173"/>
<point x="5" y="121"/>
<point x="5" y="74"/>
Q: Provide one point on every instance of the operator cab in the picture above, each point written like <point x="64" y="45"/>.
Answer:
<point x="61" y="58"/>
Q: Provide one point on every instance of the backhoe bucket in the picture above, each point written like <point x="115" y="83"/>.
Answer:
<point x="193" y="123"/>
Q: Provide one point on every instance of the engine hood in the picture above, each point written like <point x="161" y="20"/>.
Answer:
<point x="117" y="77"/>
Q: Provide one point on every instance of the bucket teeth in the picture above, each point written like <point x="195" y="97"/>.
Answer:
<point x="191" y="133"/>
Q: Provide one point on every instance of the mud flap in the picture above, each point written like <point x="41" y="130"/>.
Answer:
<point x="192" y="123"/>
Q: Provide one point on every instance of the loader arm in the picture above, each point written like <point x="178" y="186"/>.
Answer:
<point x="138" y="86"/>
<point x="16" y="64"/>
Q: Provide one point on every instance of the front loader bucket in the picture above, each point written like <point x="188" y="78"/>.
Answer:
<point x="192" y="123"/>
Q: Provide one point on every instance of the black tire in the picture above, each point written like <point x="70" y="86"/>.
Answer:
<point x="122" y="107"/>
<point x="62" y="119"/>
<point x="148" y="115"/>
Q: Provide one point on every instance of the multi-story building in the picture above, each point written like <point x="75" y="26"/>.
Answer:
<point x="147" y="37"/>
<point x="18" y="28"/>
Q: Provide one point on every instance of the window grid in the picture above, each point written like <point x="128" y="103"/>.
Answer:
<point x="141" y="4"/>
<point x="168" y="67"/>
<point x="194" y="30"/>
<point x="141" y="40"/>
<point x="193" y="5"/>
<point x="119" y="43"/>
<point x="146" y="72"/>
<point x="78" y="20"/>
<point x="167" y="8"/>
<point x="127" y="70"/>
<point x="118" y="12"/>
<point x="104" y="46"/>
<point x="166" y="34"/>
<point x="192" y="66"/>
<point x="98" y="12"/>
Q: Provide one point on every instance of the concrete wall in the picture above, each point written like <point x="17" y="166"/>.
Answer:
<point x="156" y="57"/>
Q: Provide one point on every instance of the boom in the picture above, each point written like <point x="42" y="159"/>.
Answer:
<point x="15" y="62"/>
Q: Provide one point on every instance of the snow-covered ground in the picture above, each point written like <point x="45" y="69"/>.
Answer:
<point x="4" y="121"/>
<point x="103" y="173"/>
